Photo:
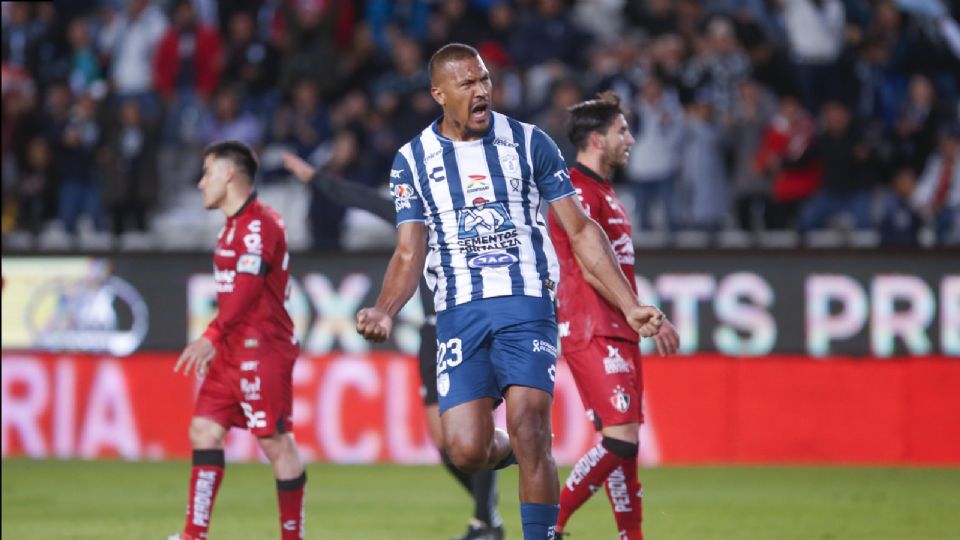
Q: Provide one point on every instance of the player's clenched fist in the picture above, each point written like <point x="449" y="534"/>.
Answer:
<point x="374" y="325"/>
<point x="645" y="320"/>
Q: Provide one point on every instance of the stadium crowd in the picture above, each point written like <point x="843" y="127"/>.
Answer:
<point x="750" y="115"/>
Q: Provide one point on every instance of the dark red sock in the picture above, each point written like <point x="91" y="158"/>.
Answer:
<point x="290" y="496"/>
<point x="205" y="481"/>
<point x="589" y="474"/>
<point x="623" y="490"/>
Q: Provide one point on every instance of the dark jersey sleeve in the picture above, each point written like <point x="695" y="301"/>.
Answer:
<point x="351" y="194"/>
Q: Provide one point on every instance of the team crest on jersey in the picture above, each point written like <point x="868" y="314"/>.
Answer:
<point x="485" y="226"/>
<point x="620" y="399"/>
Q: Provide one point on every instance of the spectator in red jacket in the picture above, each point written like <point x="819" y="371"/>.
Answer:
<point x="187" y="67"/>
<point x="786" y="139"/>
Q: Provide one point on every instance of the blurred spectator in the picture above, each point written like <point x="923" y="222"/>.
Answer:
<point x="84" y="67"/>
<point x="303" y="125"/>
<point x="130" y="171"/>
<point x="21" y="36"/>
<point x="653" y="163"/>
<point x="33" y="180"/>
<point x="252" y="64"/>
<point x="600" y="17"/>
<point x="655" y="17"/>
<point x="76" y="141"/>
<point x="915" y="132"/>
<point x="326" y="217"/>
<point x="129" y="39"/>
<point x="703" y="177"/>
<point x="406" y="83"/>
<point x="751" y="188"/>
<point x="815" y="39"/>
<point x="899" y="222"/>
<point x="845" y="184"/>
<point x="553" y="120"/>
<point x="228" y="121"/>
<point x="316" y="33"/>
<point x="785" y="141"/>
<point x="187" y="68"/>
<point x="546" y="32"/>
<point x="719" y="66"/>
<point x="938" y="194"/>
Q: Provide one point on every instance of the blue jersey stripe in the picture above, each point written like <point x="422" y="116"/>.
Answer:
<point x="500" y="189"/>
<point x="454" y="183"/>
<point x="416" y="145"/>
<point x="535" y="235"/>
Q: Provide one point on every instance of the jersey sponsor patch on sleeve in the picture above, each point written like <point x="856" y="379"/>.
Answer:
<point x="249" y="263"/>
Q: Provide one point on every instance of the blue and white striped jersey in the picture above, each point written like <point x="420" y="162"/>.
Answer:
<point x="481" y="202"/>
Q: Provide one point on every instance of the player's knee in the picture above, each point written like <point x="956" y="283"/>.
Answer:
<point x="529" y="432"/>
<point x="204" y="434"/>
<point x="276" y="446"/>
<point x="467" y="454"/>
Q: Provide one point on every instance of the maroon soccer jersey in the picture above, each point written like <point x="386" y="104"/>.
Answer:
<point x="581" y="312"/>
<point x="251" y="268"/>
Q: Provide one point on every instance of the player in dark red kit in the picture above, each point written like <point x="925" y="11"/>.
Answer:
<point x="601" y="349"/>
<point x="246" y="355"/>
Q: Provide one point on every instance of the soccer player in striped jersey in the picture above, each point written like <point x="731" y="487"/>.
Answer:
<point x="468" y="191"/>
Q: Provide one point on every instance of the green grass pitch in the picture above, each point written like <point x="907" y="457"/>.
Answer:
<point x="132" y="501"/>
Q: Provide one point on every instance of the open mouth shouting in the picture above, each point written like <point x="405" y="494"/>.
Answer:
<point x="479" y="112"/>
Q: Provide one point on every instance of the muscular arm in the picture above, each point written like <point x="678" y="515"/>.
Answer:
<point x="598" y="262"/>
<point x="399" y="283"/>
<point x="592" y="249"/>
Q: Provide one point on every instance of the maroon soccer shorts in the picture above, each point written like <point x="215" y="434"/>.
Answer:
<point x="609" y="380"/>
<point x="250" y="389"/>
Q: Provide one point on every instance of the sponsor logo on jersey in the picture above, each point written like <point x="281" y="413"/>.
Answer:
<point x="249" y="263"/>
<point x="395" y="173"/>
<point x="614" y="362"/>
<point x="224" y="279"/>
<point x="249" y="365"/>
<point x="623" y="248"/>
<point x="620" y="399"/>
<point x="486" y="226"/>
<point x="402" y="195"/>
<point x="563" y="329"/>
<point x="543" y="346"/>
<point x="496" y="259"/>
<point x="250" y="389"/>
<point x="500" y="141"/>
<point x="255" y="419"/>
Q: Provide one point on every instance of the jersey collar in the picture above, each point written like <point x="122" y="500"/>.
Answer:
<point x="586" y="171"/>
<point x="246" y="203"/>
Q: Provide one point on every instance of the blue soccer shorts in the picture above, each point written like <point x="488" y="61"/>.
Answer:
<point x="486" y="346"/>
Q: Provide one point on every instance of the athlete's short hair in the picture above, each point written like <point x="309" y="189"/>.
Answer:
<point x="592" y="115"/>
<point x="239" y="153"/>
<point x="451" y="52"/>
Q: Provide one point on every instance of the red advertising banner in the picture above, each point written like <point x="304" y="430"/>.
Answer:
<point x="366" y="408"/>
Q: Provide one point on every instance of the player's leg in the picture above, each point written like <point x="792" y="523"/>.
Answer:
<point x="528" y="422"/>
<point x="291" y="477"/>
<point x="268" y="406"/>
<point x="481" y="485"/>
<point x="467" y="389"/>
<point x="612" y="396"/>
<point x="215" y="410"/>
<point x="523" y="354"/>
<point x="622" y="485"/>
